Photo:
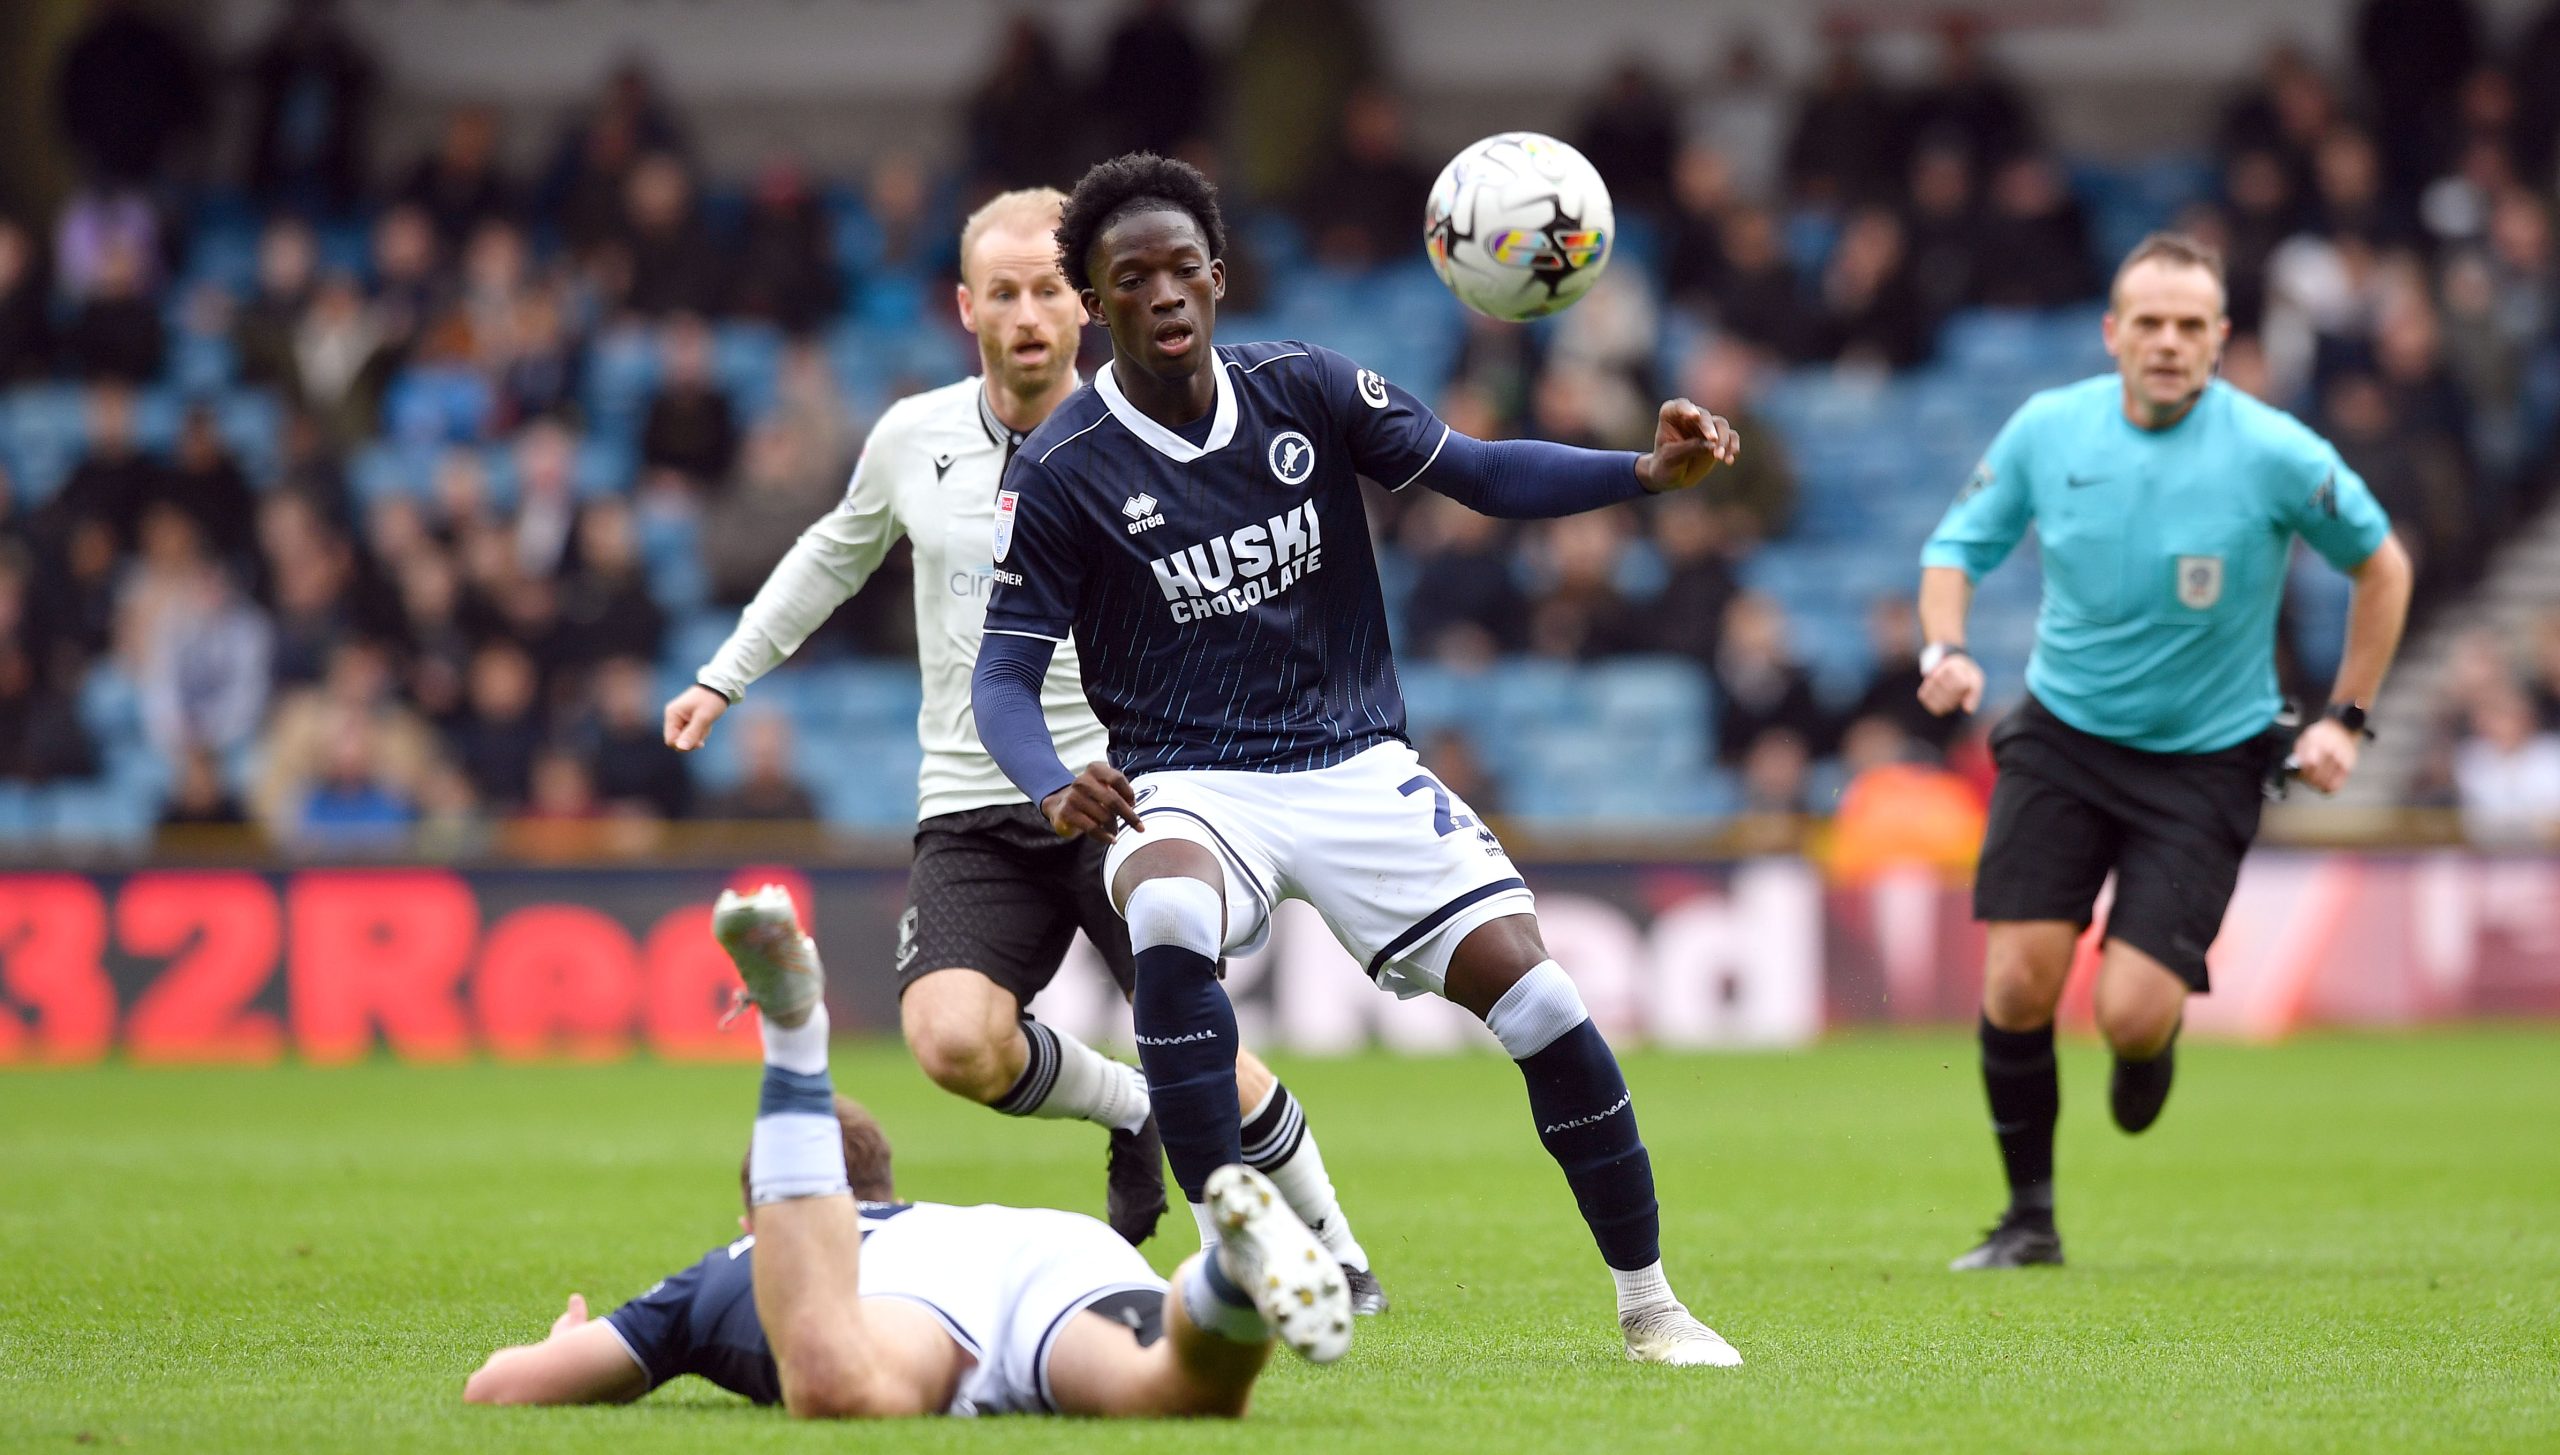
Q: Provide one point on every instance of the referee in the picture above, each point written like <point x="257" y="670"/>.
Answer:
<point x="2166" y="503"/>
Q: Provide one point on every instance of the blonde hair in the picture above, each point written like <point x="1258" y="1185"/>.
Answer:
<point x="2177" y="249"/>
<point x="1035" y="209"/>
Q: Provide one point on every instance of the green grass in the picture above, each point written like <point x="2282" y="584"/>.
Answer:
<point x="2340" y="1244"/>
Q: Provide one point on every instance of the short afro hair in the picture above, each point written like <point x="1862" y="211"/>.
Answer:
<point x="1137" y="182"/>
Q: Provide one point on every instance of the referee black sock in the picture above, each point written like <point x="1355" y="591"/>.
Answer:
<point x="2026" y="1099"/>
<point x="1187" y="1045"/>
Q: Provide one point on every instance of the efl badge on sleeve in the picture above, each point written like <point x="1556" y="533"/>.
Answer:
<point x="2199" y="581"/>
<point x="1004" y="521"/>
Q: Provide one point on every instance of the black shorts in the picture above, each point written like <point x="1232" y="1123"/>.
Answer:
<point x="995" y="890"/>
<point x="2173" y="827"/>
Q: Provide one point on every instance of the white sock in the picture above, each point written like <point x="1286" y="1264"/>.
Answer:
<point x="1063" y="1077"/>
<point x="801" y="1048"/>
<point x="1208" y="1222"/>
<point x="1215" y="1303"/>
<point x="1644" y="1288"/>
<point x="1280" y="1145"/>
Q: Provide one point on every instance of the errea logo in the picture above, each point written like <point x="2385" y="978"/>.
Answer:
<point x="1142" y="513"/>
<point x="1293" y="457"/>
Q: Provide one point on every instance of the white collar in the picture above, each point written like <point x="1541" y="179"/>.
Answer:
<point x="1222" y="424"/>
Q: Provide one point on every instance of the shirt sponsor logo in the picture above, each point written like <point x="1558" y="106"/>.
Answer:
<point x="1373" y="389"/>
<point x="1244" y="568"/>
<point x="1142" y="513"/>
<point x="1293" y="457"/>
<point x="2199" y="581"/>
<point x="1005" y="501"/>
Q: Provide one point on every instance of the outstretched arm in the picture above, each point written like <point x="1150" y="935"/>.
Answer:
<point x="1534" y="479"/>
<point x="583" y="1362"/>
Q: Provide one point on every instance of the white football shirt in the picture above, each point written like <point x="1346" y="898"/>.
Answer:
<point x="928" y="472"/>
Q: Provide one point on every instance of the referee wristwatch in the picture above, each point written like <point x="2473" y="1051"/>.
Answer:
<point x="1935" y="654"/>
<point x="2351" y="716"/>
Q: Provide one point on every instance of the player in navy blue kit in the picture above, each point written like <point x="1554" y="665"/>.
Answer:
<point x="1193" y="518"/>
<point x="841" y="1303"/>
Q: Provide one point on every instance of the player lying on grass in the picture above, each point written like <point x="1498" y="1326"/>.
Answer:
<point x="995" y="898"/>
<point x="841" y="1303"/>
<point x="1193" y="518"/>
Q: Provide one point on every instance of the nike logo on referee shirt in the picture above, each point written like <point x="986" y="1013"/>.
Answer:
<point x="2083" y="482"/>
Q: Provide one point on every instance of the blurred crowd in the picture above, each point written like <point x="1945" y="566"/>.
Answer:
<point x="481" y="656"/>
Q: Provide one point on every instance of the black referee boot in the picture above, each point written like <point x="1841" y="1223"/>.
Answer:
<point x="1134" y="1182"/>
<point x="2023" y="1238"/>
<point x="2139" y="1089"/>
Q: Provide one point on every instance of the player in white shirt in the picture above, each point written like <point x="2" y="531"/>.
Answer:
<point x="844" y="1303"/>
<point x="996" y="896"/>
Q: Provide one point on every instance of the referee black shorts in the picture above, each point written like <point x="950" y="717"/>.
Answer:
<point x="996" y="890"/>
<point x="2070" y="807"/>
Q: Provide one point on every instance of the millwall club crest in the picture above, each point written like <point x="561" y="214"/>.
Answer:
<point x="1293" y="457"/>
<point x="1004" y="521"/>
<point x="2199" y="581"/>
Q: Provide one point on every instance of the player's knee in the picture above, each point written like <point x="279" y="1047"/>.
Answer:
<point x="2137" y="1031"/>
<point x="2022" y="978"/>
<point x="1177" y="911"/>
<point x="957" y="1055"/>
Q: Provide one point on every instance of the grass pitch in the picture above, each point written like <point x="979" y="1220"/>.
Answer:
<point x="2340" y="1244"/>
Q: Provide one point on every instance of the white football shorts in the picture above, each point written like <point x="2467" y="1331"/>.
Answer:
<point x="1399" y="867"/>
<point x="1003" y="1281"/>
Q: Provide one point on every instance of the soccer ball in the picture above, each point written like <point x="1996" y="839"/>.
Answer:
<point x="1519" y="226"/>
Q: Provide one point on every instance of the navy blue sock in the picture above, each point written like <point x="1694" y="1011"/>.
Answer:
<point x="1587" y="1119"/>
<point x="1187" y="1046"/>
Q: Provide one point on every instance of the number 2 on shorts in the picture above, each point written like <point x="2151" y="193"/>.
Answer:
<point x="1441" y="818"/>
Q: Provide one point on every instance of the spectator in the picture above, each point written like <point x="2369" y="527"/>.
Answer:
<point x="477" y="327"/>
<point x="546" y="519"/>
<point x="1295" y="63"/>
<point x="97" y="226"/>
<point x="1941" y="230"/>
<point x="1631" y="134"/>
<point x="200" y="806"/>
<point x="1842" y="149"/>
<point x="350" y="808"/>
<point x="809" y="402"/>
<point x="410" y="287"/>
<point x="634" y="769"/>
<point x="208" y="485"/>
<point x="673" y="266"/>
<point x="766" y="790"/>
<point x="2415" y="54"/>
<point x="1759" y="301"/>
<point x="1693" y="264"/>
<point x="1362" y="207"/>
<point x="128" y="86"/>
<point x="26" y="327"/>
<point x="2544" y="679"/>
<point x="542" y="373"/>
<point x="2289" y="112"/>
<point x="2348" y="192"/>
<point x="263" y="326"/>
<point x="1892" y="693"/>
<point x="1776" y="768"/>
<point x="41" y="735"/>
<point x="2037" y="232"/>
<point x="458" y="185"/>
<point x="312" y="88"/>
<point x="1871" y="309"/>
<point x="1969" y="105"/>
<point x="1580" y="614"/>
<point x="1691" y="537"/>
<point x="440" y="644"/>
<point x="1015" y="119"/>
<point x="780" y="491"/>
<point x="1898" y="813"/>
<point x="786" y="266"/>
<point x="113" y="479"/>
<point x="2507" y="774"/>
<point x="1740" y="115"/>
<point x="1760" y="687"/>
<point x="311" y="575"/>
<point x="501" y="730"/>
<point x="1465" y="609"/>
<point x="2259" y="212"/>
<point x="589" y="182"/>
<point x="309" y="722"/>
<point x="1754" y="498"/>
<point x="75" y="608"/>
<point x="1155" y="40"/>
<point x="203" y="657"/>
<point x="690" y="428"/>
<point x="605" y="607"/>
<point x="343" y="357"/>
<point x="116" y="333"/>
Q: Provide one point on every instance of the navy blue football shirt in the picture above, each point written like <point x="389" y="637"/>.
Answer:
<point x="1218" y="580"/>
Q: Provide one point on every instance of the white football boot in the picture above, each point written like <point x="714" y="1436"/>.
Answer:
<point x="761" y="932"/>
<point x="1667" y="1333"/>
<point x="1295" y="1284"/>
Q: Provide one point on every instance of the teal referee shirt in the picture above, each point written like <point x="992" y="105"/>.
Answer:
<point x="2164" y="554"/>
